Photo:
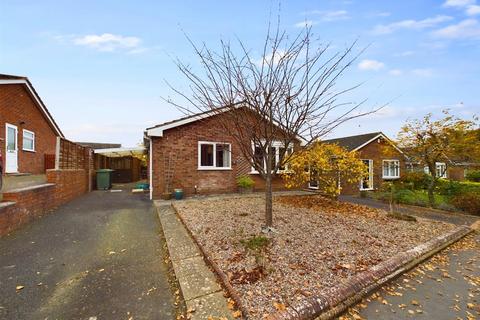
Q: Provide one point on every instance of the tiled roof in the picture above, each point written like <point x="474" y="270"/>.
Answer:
<point x="353" y="142"/>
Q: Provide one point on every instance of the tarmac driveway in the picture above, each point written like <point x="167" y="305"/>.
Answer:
<point x="98" y="257"/>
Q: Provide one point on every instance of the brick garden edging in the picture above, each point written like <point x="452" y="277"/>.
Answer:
<point x="330" y="303"/>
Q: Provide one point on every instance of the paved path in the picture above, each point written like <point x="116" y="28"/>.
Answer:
<point x="442" y="288"/>
<point x="98" y="257"/>
<point x="455" y="218"/>
<point x="202" y="293"/>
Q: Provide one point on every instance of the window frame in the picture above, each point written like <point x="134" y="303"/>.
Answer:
<point x="390" y="177"/>
<point x="277" y="145"/>
<point x="440" y="165"/>
<point x="214" y="167"/>
<point x="23" y="140"/>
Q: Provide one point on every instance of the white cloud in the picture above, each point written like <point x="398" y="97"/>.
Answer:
<point x="382" y="14"/>
<point x="404" y="54"/>
<point x="368" y="64"/>
<point x="423" y="72"/>
<point x="473" y="10"/>
<point x="458" y="3"/>
<point x="395" y="72"/>
<point x="304" y="24"/>
<point x="466" y="29"/>
<point x="411" y="24"/>
<point x="108" y="42"/>
<point x="333" y="15"/>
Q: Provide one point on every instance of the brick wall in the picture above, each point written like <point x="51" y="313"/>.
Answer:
<point x="69" y="184"/>
<point x="175" y="159"/>
<point x="377" y="151"/>
<point x="18" y="108"/>
<point x="31" y="202"/>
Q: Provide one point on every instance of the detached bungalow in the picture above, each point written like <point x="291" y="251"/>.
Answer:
<point x="28" y="132"/>
<point x="385" y="161"/>
<point x="195" y="154"/>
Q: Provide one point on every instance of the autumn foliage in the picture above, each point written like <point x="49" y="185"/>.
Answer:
<point x="328" y="164"/>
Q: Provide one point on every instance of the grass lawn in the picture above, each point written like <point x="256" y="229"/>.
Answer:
<point x="318" y="244"/>
<point x="414" y="197"/>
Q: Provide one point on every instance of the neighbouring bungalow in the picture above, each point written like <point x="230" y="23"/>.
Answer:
<point x="385" y="161"/>
<point x="29" y="134"/>
<point x="194" y="153"/>
<point x="452" y="170"/>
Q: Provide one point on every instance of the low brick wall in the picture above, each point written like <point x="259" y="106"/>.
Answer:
<point x="22" y="205"/>
<point x="69" y="184"/>
<point x="25" y="204"/>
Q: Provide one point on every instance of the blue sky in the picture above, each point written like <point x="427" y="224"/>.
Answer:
<point x="100" y="66"/>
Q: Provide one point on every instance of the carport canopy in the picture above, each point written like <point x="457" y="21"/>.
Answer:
<point x="136" y="152"/>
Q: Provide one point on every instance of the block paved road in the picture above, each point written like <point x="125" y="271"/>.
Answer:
<point x="97" y="257"/>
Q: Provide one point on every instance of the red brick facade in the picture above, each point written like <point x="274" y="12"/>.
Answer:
<point x="377" y="150"/>
<point x="18" y="107"/>
<point x="179" y="147"/>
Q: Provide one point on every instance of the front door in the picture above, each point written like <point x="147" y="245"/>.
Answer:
<point x="11" y="149"/>
<point x="367" y="180"/>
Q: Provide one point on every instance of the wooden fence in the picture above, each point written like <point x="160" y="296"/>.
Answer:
<point x="73" y="156"/>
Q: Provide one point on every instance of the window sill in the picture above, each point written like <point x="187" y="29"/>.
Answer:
<point x="27" y="150"/>
<point x="390" y="178"/>
<point x="213" y="169"/>
<point x="368" y="189"/>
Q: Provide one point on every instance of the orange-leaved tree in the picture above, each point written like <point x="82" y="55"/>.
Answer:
<point x="327" y="165"/>
<point x="448" y="139"/>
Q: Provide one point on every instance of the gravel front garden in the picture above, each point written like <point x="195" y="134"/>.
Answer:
<point x="318" y="243"/>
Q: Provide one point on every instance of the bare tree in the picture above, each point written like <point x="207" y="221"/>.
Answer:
<point x="274" y="105"/>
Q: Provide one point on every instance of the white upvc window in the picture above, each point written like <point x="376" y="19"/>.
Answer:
<point x="441" y="169"/>
<point x="28" y="140"/>
<point x="214" y="155"/>
<point x="278" y="148"/>
<point x="391" y="169"/>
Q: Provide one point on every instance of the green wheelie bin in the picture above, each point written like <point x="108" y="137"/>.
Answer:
<point x="104" y="179"/>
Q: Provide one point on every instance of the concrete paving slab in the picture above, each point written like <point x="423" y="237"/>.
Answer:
<point x="196" y="285"/>
<point x="209" y="306"/>
<point x="182" y="252"/>
<point x="190" y="265"/>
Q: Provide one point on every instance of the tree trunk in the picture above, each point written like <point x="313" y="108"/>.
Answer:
<point x="268" y="201"/>
<point x="431" y="197"/>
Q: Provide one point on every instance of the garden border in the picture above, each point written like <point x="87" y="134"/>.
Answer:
<point x="332" y="302"/>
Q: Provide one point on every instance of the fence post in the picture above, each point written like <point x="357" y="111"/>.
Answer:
<point x="57" y="154"/>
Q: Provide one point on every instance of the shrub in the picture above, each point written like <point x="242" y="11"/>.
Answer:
<point x="416" y="180"/>
<point x="245" y="182"/>
<point x="468" y="202"/>
<point x="255" y="243"/>
<point x="473" y="175"/>
<point x="452" y="188"/>
<point x="449" y="187"/>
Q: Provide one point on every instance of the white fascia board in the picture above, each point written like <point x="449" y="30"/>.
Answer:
<point x="158" y="131"/>
<point x="37" y="99"/>
<point x="380" y="135"/>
